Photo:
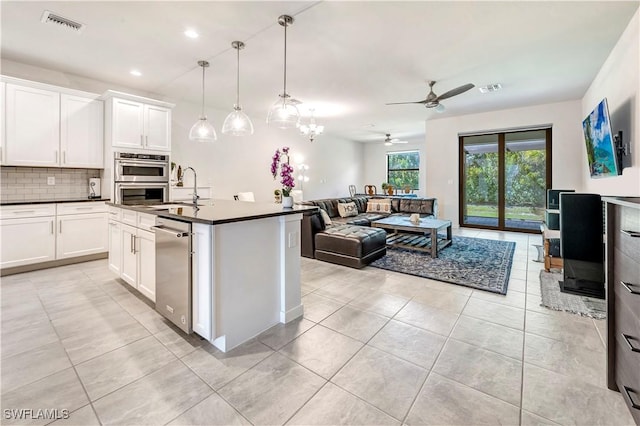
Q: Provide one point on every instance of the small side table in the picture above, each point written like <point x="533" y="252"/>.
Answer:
<point x="549" y="261"/>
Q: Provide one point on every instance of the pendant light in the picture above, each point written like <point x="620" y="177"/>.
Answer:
<point x="284" y="112"/>
<point x="203" y="131"/>
<point x="237" y="122"/>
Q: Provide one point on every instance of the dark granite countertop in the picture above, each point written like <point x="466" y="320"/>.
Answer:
<point x="71" y="200"/>
<point x="217" y="212"/>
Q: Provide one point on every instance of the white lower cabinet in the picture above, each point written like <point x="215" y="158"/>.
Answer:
<point x="81" y="234"/>
<point x="115" y="246"/>
<point x="36" y="233"/>
<point x="26" y="241"/>
<point x="146" y="252"/>
<point x="129" y="267"/>
<point x="132" y="252"/>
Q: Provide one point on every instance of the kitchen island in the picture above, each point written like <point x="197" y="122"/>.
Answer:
<point x="245" y="266"/>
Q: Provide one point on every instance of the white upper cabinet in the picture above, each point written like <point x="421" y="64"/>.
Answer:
<point x="50" y="126"/>
<point x="128" y="124"/>
<point x="32" y="126"/>
<point x="138" y="124"/>
<point x="81" y="132"/>
<point x="157" y="128"/>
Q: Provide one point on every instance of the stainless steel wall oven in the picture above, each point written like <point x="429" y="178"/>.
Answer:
<point x="141" y="178"/>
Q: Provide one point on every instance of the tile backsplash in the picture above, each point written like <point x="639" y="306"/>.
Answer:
<point x="30" y="183"/>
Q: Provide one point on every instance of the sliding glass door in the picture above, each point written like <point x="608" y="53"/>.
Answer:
<point x="503" y="179"/>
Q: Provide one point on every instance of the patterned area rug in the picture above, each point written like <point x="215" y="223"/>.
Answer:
<point x="553" y="298"/>
<point x="471" y="262"/>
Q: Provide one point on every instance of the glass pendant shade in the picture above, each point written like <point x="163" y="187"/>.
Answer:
<point x="284" y="113"/>
<point x="237" y="123"/>
<point x="202" y="131"/>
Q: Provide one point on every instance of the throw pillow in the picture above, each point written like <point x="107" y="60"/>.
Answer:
<point x="325" y="217"/>
<point x="376" y="207"/>
<point x="347" y="209"/>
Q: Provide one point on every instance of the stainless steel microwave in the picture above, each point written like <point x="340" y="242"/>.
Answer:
<point x="130" y="167"/>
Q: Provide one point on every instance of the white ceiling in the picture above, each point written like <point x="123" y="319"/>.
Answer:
<point x="353" y="56"/>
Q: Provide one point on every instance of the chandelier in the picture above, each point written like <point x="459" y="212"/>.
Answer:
<point x="311" y="129"/>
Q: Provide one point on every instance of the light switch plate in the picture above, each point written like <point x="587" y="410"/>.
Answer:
<point x="293" y="239"/>
<point x="51" y="180"/>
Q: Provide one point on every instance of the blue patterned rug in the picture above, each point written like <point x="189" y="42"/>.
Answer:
<point x="472" y="262"/>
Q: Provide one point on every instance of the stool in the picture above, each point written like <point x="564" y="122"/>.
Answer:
<point x="351" y="245"/>
<point x="540" y="258"/>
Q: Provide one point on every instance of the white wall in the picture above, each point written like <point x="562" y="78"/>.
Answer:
<point x="233" y="164"/>
<point x="441" y="137"/>
<point x="619" y="81"/>
<point x="238" y="164"/>
<point x="375" y="164"/>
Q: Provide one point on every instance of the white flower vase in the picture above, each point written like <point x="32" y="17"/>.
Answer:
<point x="287" y="202"/>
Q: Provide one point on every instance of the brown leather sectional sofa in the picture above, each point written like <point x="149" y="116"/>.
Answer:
<point x="350" y="241"/>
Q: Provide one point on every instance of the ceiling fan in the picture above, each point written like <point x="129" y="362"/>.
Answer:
<point x="388" y="141"/>
<point x="433" y="101"/>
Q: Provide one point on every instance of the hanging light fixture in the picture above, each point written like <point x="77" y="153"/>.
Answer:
<point x="237" y="122"/>
<point x="284" y="112"/>
<point x="312" y="129"/>
<point x="202" y="131"/>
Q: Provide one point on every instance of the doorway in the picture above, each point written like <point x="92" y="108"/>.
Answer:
<point x="504" y="177"/>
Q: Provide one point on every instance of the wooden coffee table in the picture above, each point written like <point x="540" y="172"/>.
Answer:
<point x="422" y="236"/>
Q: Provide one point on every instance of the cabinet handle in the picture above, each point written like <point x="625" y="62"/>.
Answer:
<point x="628" y="392"/>
<point x="628" y="287"/>
<point x="632" y="234"/>
<point x="131" y="243"/>
<point x="56" y="156"/>
<point x="64" y="157"/>
<point x="146" y="140"/>
<point x="134" y="244"/>
<point x="1" y="154"/>
<point x="142" y="140"/>
<point x="627" y="339"/>
<point x="60" y="227"/>
<point x="23" y="211"/>
<point x="51" y="227"/>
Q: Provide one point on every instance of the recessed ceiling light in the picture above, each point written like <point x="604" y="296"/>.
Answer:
<point x="191" y="33"/>
<point x="490" y="88"/>
<point x="135" y="72"/>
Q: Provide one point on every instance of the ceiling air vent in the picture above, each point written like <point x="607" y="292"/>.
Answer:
<point x="51" y="18"/>
<point x="490" y="88"/>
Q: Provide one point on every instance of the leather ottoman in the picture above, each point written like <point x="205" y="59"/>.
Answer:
<point x="351" y="245"/>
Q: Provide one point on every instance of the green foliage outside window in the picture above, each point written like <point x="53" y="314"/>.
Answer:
<point x="525" y="178"/>
<point x="403" y="169"/>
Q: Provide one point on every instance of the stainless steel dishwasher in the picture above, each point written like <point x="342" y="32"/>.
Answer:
<point x="173" y="272"/>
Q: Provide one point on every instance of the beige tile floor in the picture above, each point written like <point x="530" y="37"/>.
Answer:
<point x="374" y="347"/>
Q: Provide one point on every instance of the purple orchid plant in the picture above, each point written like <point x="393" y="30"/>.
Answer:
<point x="286" y="171"/>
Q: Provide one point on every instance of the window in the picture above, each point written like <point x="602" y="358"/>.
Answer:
<point x="403" y="169"/>
<point x="504" y="177"/>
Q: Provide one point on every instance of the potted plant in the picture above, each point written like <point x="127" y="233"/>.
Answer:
<point x="286" y="174"/>
<point x="386" y="187"/>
